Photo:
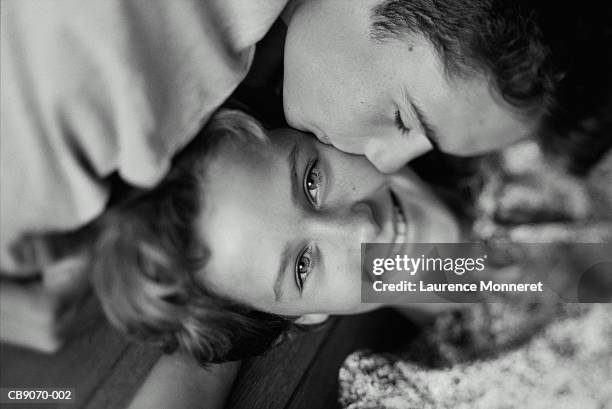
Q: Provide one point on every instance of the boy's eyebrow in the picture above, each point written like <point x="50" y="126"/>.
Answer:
<point x="430" y="131"/>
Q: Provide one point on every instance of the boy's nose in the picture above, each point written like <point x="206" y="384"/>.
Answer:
<point x="390" y="153"/>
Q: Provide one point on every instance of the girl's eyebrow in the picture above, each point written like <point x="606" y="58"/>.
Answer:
<point x="280" y="275"/>
<point x="292" y="160"/>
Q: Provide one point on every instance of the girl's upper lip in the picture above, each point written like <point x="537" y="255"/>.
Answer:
<point x="388" y="221"/>
<point x="399" y="225"/>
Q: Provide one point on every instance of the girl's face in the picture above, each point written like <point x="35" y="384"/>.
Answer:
<point x="284" y="223"/>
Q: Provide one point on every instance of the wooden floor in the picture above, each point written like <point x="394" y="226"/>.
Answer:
<point x="105" y="370"/>
<point x="303" y="374"/>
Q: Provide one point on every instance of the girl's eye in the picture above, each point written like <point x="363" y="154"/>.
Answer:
<point x="312" y="183"/>
<point x="303" y="267"/>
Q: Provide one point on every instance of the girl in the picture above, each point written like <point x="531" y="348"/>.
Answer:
<point x="251" y="234"/>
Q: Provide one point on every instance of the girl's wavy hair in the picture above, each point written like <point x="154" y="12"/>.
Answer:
<point x="147" y="254"/>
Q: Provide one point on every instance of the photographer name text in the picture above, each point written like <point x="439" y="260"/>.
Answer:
<point x="481" y="286"/>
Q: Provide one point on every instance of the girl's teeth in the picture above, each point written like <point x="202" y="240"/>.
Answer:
<point x="400" y="225"/>
<point x="401" y="228"/>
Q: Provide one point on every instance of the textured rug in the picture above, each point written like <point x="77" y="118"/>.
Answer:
<point x="505" y="354"/>
<point x="567" y="365"/>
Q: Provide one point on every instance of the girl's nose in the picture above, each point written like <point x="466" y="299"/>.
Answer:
<point x="359" y="224"/>
<point x="351" y="225"/>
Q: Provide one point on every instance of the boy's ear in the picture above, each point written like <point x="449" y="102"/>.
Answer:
<point x="312" y="319"/>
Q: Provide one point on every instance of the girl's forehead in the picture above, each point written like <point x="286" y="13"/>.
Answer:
<point x="245" y="224"/>
<point x="275" y="143"/>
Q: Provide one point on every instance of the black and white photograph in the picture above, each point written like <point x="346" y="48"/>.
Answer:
<point x="306" y="204"/>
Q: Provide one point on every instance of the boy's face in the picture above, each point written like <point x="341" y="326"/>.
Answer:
<point x="390" y="100"/>
<point x="284" y="223"/>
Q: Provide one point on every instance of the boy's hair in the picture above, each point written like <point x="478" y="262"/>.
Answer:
<point x="550" y="57"/>
<point x="492" y="37"/>
<point x="148" y="253"/>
